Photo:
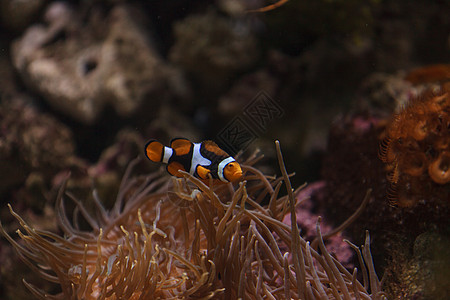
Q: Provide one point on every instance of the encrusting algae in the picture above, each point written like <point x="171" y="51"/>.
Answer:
<point x="181" y="239"/>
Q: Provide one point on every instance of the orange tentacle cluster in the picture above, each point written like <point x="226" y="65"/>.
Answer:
<point x="416" y="147"/>
<point x="428" y="74"/>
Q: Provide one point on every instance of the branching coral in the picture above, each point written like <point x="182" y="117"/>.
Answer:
<point x="184" y="240"/>
<point x="416" y="148"/>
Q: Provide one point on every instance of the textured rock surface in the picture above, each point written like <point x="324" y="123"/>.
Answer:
<point x="31" y="142"/>
<point x="213" y="48"/>
<point x="79" y="65"/>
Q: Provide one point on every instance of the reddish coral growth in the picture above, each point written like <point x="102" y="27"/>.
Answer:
<point x="432" y="73"/>
<point x="416" y="148"/>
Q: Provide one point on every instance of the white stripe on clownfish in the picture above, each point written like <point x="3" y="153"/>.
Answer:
<point x="221" y="166"/>
<point x="198" y="159"/>
<point x="167" y="154"/>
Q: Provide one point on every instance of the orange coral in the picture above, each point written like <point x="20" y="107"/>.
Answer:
<point x="432" y="73"/>
<point x="416" y="147"/>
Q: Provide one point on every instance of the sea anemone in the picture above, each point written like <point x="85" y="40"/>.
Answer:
<point x="182" y="239"/>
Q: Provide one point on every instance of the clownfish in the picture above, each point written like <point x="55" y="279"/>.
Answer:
<point x="202" y="160"/>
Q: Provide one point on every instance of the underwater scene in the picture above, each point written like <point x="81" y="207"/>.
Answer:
<point x="224" y="149"/>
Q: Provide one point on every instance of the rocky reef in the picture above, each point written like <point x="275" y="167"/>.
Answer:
<point x="79" y="64"/>
<point x="84" y="84"/>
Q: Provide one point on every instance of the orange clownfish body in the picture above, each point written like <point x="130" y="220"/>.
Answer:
<point x="203" y="160"/>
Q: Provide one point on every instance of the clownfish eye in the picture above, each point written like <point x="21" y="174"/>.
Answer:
<point x="230" y="165"/>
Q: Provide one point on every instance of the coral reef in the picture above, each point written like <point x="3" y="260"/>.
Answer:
<point x="307" y="217"/>
<point x="183" y="239"/>
<point x="416" y="150"/>
<point x="79" y="66"/>
<point x="424" y="272"/>
<point x="213" y="48"/>
<point x="381" y="94"/>
<point x="427" y="74"/>
<point x="82" y="82"/>
<point x="422" y="204"/>
<point x="37" y="142"/>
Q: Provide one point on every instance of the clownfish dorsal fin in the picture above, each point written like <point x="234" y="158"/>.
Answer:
<point x="181" y="146"/>
<point x="154" y="150"/>
<point x="174" y="167"/>
<point x="210" y="143"/>
<point x="212" y="147"/>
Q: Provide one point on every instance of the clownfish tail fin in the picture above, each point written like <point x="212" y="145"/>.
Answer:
<point x="154" y="150"/>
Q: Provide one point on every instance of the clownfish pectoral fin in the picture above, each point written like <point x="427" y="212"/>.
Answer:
<point x="174" y="169"/>
<point x="181" y="146"/>
<point x="154" y="150"/>
<point x="203" y="172"/>
<point x="212" y="147"/>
